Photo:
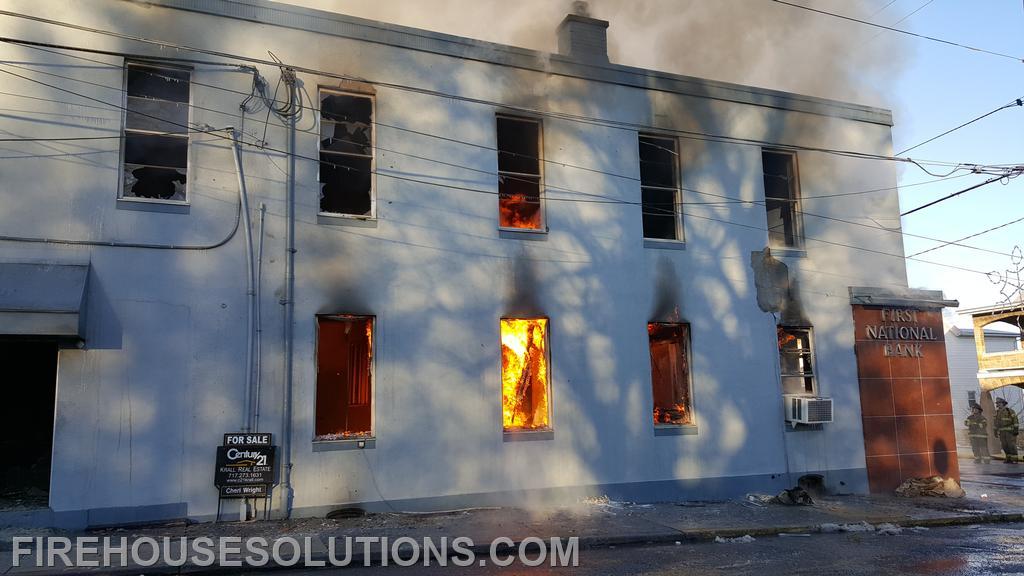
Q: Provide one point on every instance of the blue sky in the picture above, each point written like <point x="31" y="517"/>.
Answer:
<point x="941" y="87"/>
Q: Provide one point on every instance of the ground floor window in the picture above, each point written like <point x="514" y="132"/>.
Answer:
<point x="796" y="360"/>
<point x="525" y="388"/>
<point x="344" y="377"/>
<point x="670" y="373"/>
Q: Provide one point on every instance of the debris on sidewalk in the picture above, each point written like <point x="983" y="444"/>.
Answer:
<point x="830" y="528"/>
<point x="795" y="496"/>
<point x="745" y="539"/>
<point x="887" y="529"/>
<point x="759" y="500"/>
<point x="931" y="486"/>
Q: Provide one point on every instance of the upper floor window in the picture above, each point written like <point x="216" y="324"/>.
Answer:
<point x="659" y="188"/>
<point x="796" y="360"/>
<point x="346" y="154"/>
<point x="519" y="174"/>
<point x="156" y="134"/>
<point x="782" y="199"/>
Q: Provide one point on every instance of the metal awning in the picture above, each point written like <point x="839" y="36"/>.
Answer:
<point x="43" y="299"/>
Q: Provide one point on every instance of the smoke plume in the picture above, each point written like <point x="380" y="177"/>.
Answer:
<point x="754" y="42"/>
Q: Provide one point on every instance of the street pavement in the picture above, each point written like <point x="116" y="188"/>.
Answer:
<point x="616" y="537"/>
<point x="968" y="551"/>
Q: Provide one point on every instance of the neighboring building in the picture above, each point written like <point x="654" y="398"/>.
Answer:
<point x="1000" y="364"/>
<point x="963" y="373"/>
<point x="483" y="274"/>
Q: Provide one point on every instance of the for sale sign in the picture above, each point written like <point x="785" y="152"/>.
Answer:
<point x="245" y="465"/>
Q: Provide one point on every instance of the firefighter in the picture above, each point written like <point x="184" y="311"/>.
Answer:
<point x="1007" y="427"/>
<point x="977" y="431"/>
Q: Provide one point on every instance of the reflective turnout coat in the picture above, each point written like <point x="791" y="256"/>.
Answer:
<point x="1006" y="421"/>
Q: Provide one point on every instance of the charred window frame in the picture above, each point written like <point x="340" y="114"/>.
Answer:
<point x="661" y="199"/>
<point x="347" y="161"/>
<point x="782" y="198"/>
<point x="796" y="360"/>
<point x="671" y="379"/>
<point x="525" y="375"/>
<point x="520" y="174"/>
<point x="344" y="378"/>
<point x="155" y="137"/>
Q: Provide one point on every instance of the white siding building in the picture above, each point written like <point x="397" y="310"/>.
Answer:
<point x="432" y="186"/>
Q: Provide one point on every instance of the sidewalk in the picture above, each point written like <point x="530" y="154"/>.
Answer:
<point x="995" y="493"/>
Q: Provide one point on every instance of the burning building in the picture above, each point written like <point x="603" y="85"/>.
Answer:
<point x="440" y="271"/>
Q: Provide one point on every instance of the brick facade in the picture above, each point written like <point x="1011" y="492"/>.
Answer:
<point x="906" y="406"/>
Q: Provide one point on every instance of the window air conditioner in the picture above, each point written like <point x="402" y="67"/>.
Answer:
<point x="808" y="409"/>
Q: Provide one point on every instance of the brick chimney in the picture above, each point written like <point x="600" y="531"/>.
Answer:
<point x="582" y="37"/>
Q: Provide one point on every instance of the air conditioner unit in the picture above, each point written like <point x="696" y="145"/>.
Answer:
<point x="808" y="409"/>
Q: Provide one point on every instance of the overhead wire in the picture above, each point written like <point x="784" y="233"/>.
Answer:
<point x="280" y="64"/>
<point x="697" y="135"/>
<point x="976" y="234"/>
<point x="602" y="200"/>
<point x="482" y="146"/>
<point x="1017" y="102"/>
<point x="907" y="17"/>
<point x="899" y="30"/>
<point x="958" y="193"/>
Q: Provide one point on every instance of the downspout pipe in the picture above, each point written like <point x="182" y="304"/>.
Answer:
<point x="258" y="360"/>
<point x="289" y="318"/>
<point x="250" y="292"/>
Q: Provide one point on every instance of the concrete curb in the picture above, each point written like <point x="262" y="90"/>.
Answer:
<point x="585" y="542"/>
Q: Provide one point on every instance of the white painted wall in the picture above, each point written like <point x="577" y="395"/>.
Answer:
<point x="142" y="406"/>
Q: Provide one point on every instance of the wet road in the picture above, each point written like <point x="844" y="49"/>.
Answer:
<point x="968" y="551"/>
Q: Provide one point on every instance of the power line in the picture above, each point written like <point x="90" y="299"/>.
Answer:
<point x="921" y="7"/>
<point x="955" y="194"/>
<point x="604" y="199"/>
<point x="907" y="32"/>
<point x="696" y="135"/>
<point x="1017" y="102"/>
<point x="944" y="244"/>
<point x="882" y="9"/>
<point x="973" y="167"/>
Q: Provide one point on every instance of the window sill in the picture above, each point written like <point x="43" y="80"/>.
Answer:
<point x="664" y="244"/>
<point x="347" y="444"/>
<point x="151" y="205"/>
<point x="346" y="220"/>
<point x="681" y="430"/>
<point x="788" y="252"/>
<point x="527" y="435"/>
<point x="523" y="233"/>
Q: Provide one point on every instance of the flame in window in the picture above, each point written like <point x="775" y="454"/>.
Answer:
<point x="524" y="374"/>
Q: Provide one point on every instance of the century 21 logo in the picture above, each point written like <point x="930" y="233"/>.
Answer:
<point x="246" y="458"/>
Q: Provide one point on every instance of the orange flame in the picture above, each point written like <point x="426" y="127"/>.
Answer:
<point x="519" y="211"/>
<point x="524" y="374"/>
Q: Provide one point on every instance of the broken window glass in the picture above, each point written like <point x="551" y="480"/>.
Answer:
<point x="659" y="187"/>
<point x="796" y="360"/>
<point x="156" y="134"/>
<point x="670" y="373"/>
<point x="781" y="198"/>
<point x="346" y="154"/>
<point x="344" y="379"/>
<point x="525" y="389"/>
<point x="519" y="174"/>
